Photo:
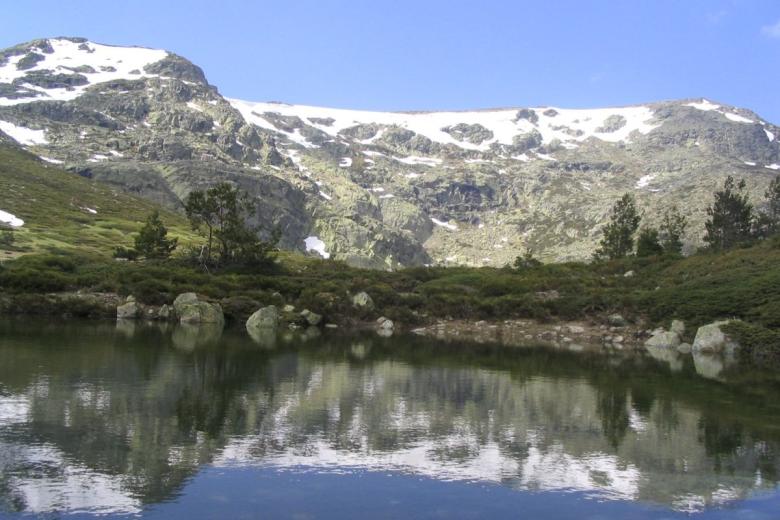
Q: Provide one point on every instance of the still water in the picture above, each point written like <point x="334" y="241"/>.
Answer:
<point x="132" y="420"/>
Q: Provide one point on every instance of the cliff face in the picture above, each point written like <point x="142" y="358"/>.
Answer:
<point x="378" y="189"/>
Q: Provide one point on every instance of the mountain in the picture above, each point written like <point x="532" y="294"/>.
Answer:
<point x="377" y="189"/>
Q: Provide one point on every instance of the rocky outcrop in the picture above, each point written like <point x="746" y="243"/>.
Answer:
<point x="712" y="339"/>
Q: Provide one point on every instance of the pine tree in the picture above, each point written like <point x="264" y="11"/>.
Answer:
<point x="153" y="242"/>
<point x="731" y="217"/>
<point x="222" y="210"/>
<point x="672" y="229"/>
<point x="618" y="240"/>
<point x="769" y="220"/>
<point x="648" y="244"/>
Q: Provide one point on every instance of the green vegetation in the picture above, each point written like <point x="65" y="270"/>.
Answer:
<point x="152" y="241"/>
<point x="731" y="217"/>
<point x="618" y="238"/>
<point x="58" y="207"/>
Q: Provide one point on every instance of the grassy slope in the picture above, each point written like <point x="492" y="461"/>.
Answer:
<point x="52" y="202"/>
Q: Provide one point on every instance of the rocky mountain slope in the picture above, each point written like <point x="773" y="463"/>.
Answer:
<point x="377" y="189"/>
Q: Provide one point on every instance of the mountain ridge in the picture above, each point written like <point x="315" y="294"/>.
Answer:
<point x="378" y="189"/>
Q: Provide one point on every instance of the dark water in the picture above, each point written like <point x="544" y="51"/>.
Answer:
<point x="132" y="420"/>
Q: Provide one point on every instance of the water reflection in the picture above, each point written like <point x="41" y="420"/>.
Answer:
<point x="109" y="419"/>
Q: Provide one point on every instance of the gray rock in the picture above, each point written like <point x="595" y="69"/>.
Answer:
<point x="616" y="320"/>
<point x="684" y="348"/>
<point x="184" y="299"/>
<point x="312" y="318"/>
<point x="266" y="318"/>
<point x="202" y="312"/>
<point x="288" y="308"/>
<point x="629" y="274"/>
<point x="128" y="311"/>
<point x="711" y="338"/>
<point x="363" y="301"/>
<point x="663" y="339"/>
<point x="191" y="310"/>
<point x="678" y="326"/>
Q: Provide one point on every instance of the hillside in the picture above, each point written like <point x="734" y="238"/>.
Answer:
<point x="62" y="211"/>
<point x="375" y="189"/>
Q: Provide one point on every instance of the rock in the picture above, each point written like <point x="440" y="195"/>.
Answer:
<point x="617" y="339"/>
<point x="165" y="312"/>
<point x="363" y="301"/>
<point x="385" y="327"/>
<point x="684" y="348"/>
<point x="191" y="310"/>
<point x="288" y="308"/>
<point x="202" y="312"/>
<point x="616" y="320"/>
<point x="711" y="338"/>
<point x="130" y="299"/>
<point x="184" y="299"/>
<point x="576" y="329"/>
<point x="663" y="339"/>
<point x="128" y="311"/>
<point x="629" y="274"/>
<point x="678" y="326"/>
<point x="312" y="318"/>
<point x="331" y="326"/>
<point x="266" y="318"/>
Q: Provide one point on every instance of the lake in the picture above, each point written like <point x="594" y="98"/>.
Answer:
<point x="129" y="419"/>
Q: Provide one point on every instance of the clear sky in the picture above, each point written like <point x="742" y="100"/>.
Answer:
<point x="448" y="54"/>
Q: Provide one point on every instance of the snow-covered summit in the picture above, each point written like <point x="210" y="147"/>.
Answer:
<point x="63" y="68"/>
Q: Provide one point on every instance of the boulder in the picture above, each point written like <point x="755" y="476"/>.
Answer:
<point x="663" y="339"/>
<point x="191" y="310"/>
<point x="266" y="318"/>
<point x="629" y="274"/>
<point x="128" y="311"/>
<point x="184" y="299"/>
<point x="678" y="326"/>
<point x="684" y="348"/>
<point x="288" y="308"/>
<point x="711" y="338"/>
<point x="616" y="320"/>
<point x="312" y="318"/>
<point x="363" y="301"/>
<point x="385" y="326"/>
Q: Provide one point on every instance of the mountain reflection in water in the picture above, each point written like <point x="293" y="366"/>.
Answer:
<point x="106" y="418"/>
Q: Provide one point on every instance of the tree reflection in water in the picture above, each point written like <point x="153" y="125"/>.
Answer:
<point x="130" y="411"/>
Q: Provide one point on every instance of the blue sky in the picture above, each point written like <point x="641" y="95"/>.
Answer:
<point x="431" y="55"/>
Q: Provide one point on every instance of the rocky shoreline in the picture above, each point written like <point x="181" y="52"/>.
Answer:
<point x="599" y="333"/>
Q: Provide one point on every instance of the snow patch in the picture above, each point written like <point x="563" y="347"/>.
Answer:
<point x="503" y="122"/>
<point x="22" y="135"/>
<point x="644" y="181"/>
<point x="773" y="166"/>
<point x="749" y="163"/>
<point x="441" y="223"/>
<point x="346" y="162"/>
<point x="50" y="160"/>
<point x="769" y="135"/>
<point x="315" y="244"/>
<point x="738" y="118"/>
<point x="10" y="219"/>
